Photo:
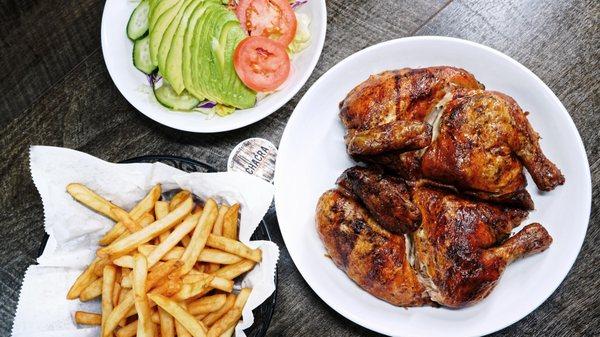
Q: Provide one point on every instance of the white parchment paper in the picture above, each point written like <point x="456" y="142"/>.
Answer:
<point x="74" y="230"/>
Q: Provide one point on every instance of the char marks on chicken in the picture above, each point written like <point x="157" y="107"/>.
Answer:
<point x="374" y="258"/>
<point x="429" y="220"/>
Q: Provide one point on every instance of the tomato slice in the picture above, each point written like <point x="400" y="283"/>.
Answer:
<point x="274" y="19"/>
<point x="261" y="63"/>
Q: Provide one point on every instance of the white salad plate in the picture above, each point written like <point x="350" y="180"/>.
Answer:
<point x="133" y="84"/>
<point x="312" y="155"/>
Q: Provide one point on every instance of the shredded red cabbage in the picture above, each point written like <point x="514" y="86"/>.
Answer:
<point x="207" y="105"/>
<point x="153" y="78"/>
<point x="298" y="3"/>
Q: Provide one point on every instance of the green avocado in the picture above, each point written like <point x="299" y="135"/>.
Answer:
<point x="205" y="71"/>
<point x="173" y="67"/>
<point x="234" y="91"/>
<point x="165" y="42"/>
<point x="217" y="36"/>
<point x="158" y="31"/>
<point x="189" y="48"/>
<point x="199" y="61"/>
<point x="157" y="8"/>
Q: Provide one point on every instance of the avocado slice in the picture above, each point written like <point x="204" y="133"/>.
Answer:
<point x="173" y="68"/>
<point x="234" y="91"/>
<point x="157" y="8"/>
<point x="165" y="42"/>
<point x="206" y="70"/>
<point x="218" y="78"/>
<point x="209" y="57"/>
<point x="201" y="56"/>
<point x="160" y="27"/>
<point x="188" y="48"/>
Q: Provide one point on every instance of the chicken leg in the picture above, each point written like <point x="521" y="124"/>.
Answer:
<point x="460" y="249"/>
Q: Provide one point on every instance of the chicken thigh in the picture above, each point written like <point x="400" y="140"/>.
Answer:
<point x="371" y="256"/>
<point x="461" y="248"/>
<point x="484" y="140"/>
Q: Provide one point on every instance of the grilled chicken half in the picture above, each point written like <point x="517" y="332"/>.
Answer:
<point x="372" y="257"/>
<point x="459" y="250"/>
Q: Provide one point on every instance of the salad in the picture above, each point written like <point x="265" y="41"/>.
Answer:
<point x="216" y="55"/>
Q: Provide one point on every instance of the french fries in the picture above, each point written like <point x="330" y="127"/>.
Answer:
<point x="207" y="304"/>
<point x="167" y="324"/>
<point x="149" y="232"/>
<point x="140" y="273"/>
<point x="218" y="227"/>
<point x="179" y="198"/>
<point x="87" y="318"/>
<point x="108" y="283"/>
<point x="92" y="200"/>
<point x="166" y="268"/>
<point x="211" y="318"/>
<point x="92" y="291"/>
<point x="230" y="222"/>
<point x="201" y="233"/>
<point x="144" y="206"/>
<point x="234" y="247"/>
<point x="161" y="209"/>
<point x="88" y="276"/>
<point x="229" y="320"/>
<point x="181" y="315"/>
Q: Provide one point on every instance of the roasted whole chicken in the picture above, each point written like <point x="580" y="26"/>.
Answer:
<point x="459" y="251"/>
<point x="438" y="123"/>
<point x="429" y="220"/>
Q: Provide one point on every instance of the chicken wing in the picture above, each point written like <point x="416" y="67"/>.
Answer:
<point x="372" y="257"/>
<point x="387" y="198"/>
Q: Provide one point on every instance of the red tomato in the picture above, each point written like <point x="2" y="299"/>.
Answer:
<point x="274" y="19"/>
<point x="261" y="63"/>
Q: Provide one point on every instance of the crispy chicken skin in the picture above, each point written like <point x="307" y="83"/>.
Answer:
<point x="400" y="135"/>
<point x="387" y="198"/>
<point x="372" y="257"/>
<point x="401" y="95"/>
<point x="484" y="141"/>
<point x="377" y="109"/>
<point x="461" y="248"/>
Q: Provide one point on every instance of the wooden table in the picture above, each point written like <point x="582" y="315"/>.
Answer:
<point x="56" y="91"/>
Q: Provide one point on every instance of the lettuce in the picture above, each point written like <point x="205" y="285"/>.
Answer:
<point x="302" y="37"/>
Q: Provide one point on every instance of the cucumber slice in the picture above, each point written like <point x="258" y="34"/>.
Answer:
<point x="138" y="21"/>
<point x="169" y="98"/>
<point x="141" y="55"/>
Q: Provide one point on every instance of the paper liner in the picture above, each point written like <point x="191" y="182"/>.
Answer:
<point x="74" y="230"/>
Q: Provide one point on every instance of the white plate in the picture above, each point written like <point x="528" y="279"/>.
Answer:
<point x="312" y="155"/>
<point x="132" y="83"/>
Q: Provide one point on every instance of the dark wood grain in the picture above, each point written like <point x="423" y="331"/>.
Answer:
<point x="76" y="105"/>
<point x="40" y="42"/>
